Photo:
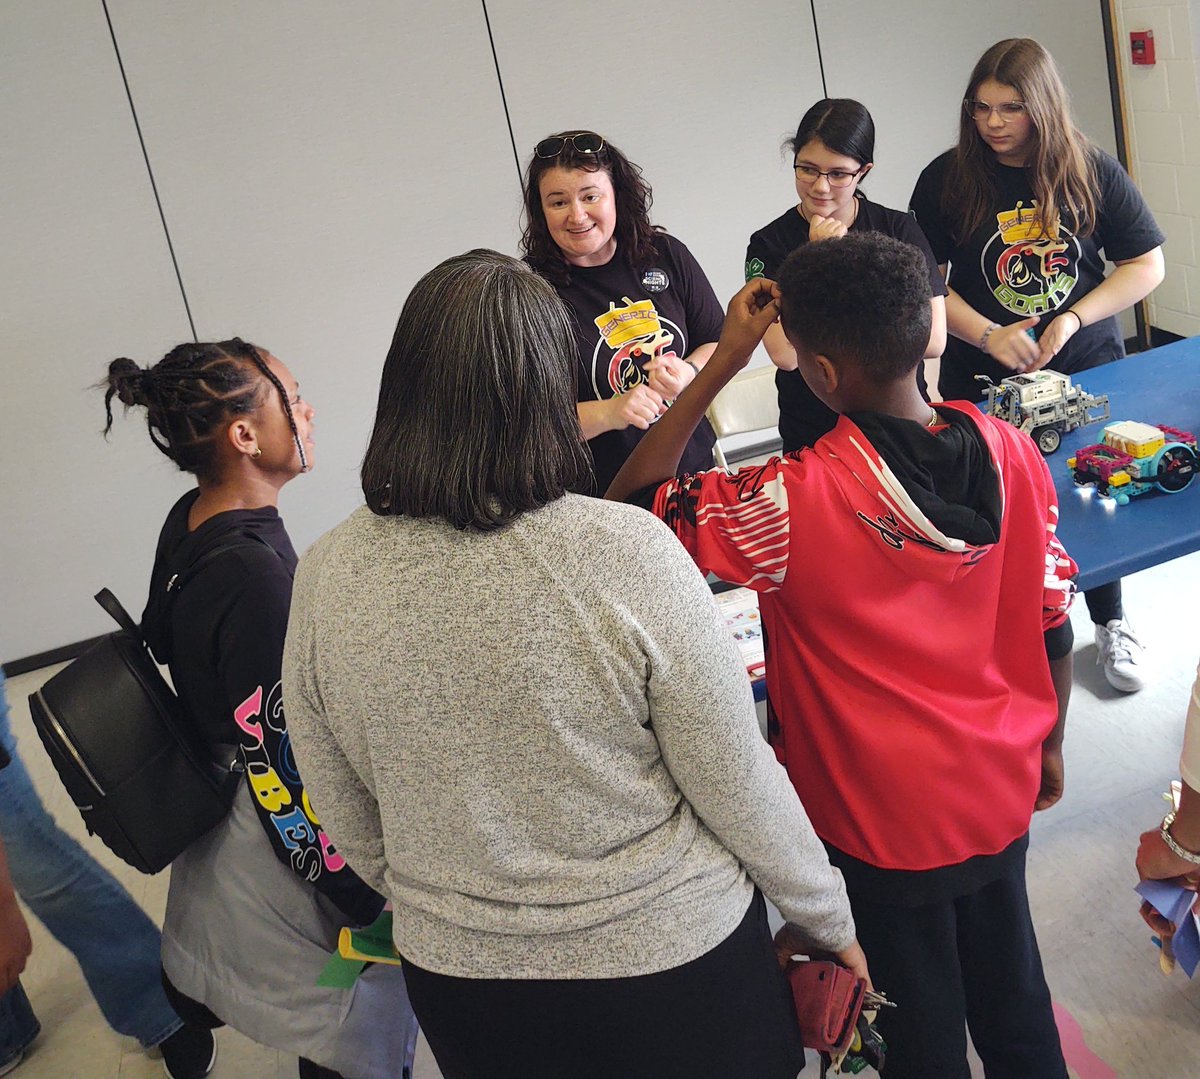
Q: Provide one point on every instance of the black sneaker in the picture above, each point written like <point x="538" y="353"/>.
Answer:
<point x="189" y="1053"/>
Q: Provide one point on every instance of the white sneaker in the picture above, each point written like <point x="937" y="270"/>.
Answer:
<point x="1122" y="656"/>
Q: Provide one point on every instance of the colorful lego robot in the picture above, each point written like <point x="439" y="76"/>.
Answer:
<point x="1136" y="458"/>
<point x="1043" y="404"/>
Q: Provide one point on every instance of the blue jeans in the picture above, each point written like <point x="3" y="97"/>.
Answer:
<point x="85" y="909"/>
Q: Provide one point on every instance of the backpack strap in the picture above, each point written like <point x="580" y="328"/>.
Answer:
<point x="113" y="607"/>
<point x="244" y="540"/>
<point x="118" y="614"/>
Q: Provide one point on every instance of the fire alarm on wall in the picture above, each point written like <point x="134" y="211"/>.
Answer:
<point x="1141" y="45"/>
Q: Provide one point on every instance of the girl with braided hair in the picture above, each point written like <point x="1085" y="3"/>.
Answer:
<point x="256" y="905"/>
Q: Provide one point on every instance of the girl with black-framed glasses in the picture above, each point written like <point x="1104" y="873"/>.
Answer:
<point x="832" y="152"/>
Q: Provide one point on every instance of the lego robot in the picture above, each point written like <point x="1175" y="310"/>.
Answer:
<point x="1043" y="404"/>
<point x="1137" y="458"/>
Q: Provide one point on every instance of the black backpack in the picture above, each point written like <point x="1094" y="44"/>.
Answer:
<point x="127" y="753"/>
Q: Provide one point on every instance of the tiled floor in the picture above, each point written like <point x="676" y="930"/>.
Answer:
<point x="1121" y="752"/>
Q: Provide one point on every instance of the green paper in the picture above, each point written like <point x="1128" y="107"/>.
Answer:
<point x="340" y="973"/>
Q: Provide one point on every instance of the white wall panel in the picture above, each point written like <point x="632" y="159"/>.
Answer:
<point x="909" y="64"/>
<point x="314" y="160"/>
<point x="699" y="95"/>
<point x="85" y="277"/>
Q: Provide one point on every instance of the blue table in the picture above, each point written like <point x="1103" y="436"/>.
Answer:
<point x="1109" y="541"/>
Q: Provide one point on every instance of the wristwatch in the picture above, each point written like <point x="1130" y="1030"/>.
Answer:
<point x="1179" y="852"/>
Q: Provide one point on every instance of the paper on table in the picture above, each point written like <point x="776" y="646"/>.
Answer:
<point x="739" y="608"/>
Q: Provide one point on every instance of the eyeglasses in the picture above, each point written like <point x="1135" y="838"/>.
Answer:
<point x="981" y="110"/>
<point x="836" y="177"/>
<point x="583" y="142"/>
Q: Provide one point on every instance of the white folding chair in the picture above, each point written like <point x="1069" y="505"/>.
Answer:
<point x="748" y="403"/>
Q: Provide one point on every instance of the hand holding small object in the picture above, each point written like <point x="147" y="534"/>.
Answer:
<point x="639" y="407"/>
<point x="1010" y="345"/>
<point x="1064" y="326"/>
<point x="669" y="375"/>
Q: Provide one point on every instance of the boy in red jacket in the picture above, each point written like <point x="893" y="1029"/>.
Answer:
<point x="914" y="601"/>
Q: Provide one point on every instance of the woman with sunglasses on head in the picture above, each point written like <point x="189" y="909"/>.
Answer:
<point x="1023" y="213"/>
<point x="646" y="319"/>
<point x="833" y="150"/>
<point x="255" y="906"/>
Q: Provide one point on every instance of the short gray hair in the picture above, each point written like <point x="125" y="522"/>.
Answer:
<point x="476" y="420"/>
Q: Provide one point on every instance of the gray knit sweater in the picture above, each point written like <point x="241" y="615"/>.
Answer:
<point x="541" y="744"/>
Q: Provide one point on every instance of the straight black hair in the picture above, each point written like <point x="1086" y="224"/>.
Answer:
<point x="842" y="125"/>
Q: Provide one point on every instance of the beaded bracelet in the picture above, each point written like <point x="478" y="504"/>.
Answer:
<point x="986" y="334"/>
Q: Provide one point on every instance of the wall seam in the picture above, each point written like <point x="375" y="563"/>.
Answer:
<point x="149" y="170"/>
<point x="503" y="98"/>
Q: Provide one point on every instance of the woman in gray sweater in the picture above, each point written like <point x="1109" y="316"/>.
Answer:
<point x="520" y="717"/>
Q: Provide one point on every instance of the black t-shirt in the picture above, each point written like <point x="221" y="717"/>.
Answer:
<point x="621" y="313"/>
<point x="222" y="638"/>
<point x="1007" y="271"/>
<point x="803" y="418"/>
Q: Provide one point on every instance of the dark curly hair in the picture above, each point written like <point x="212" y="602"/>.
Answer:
<point x="191" y="394"/>
<point x="634" y="233"/>
<point x="863" y="298"/>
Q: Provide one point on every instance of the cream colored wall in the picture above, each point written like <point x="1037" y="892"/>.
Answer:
<point x="1163" y="111"/>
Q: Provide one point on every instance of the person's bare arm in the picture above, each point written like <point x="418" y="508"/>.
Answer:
<point x="1061" y="671"/>
<point x="1009" y="345"/>
<point x="779" y="348"/>
<point x="937" y="328"/>
<point x="1131" y="280"/>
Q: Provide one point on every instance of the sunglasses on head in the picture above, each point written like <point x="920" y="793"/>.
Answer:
<point x="583" y="142"/>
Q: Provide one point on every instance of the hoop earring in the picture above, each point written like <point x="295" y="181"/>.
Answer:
<point x="257" y="452"/>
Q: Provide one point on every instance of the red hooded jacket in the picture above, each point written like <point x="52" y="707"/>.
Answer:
<point x="906" y="666"/>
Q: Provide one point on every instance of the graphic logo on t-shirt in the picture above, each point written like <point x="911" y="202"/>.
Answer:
<point x="1028" y="271"/>
<point x="630" y="337"/>
<point x="655" y="280"/>
<point x="755" y="268"/>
